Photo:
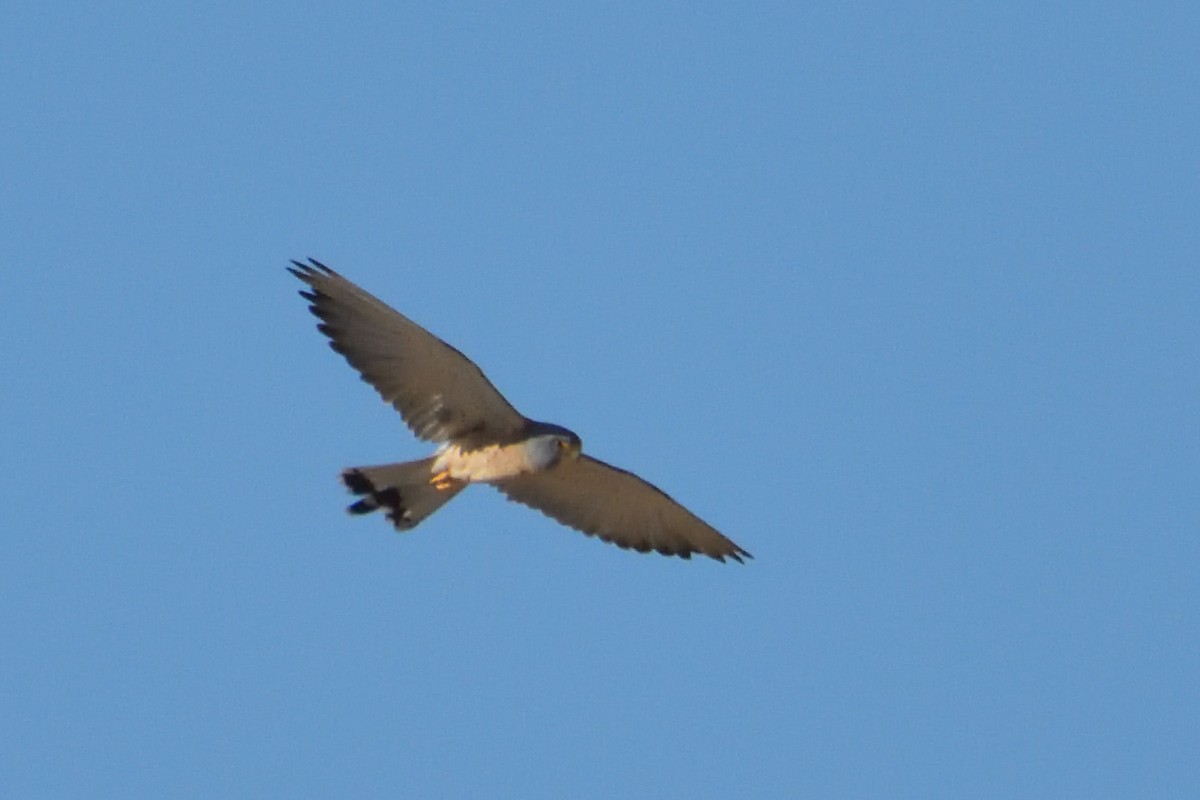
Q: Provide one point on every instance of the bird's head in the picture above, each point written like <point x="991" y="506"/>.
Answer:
<point x="557" y="440"/>
<point x="570" y="445"/>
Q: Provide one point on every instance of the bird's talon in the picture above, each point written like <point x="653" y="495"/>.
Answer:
<point x="442" y="480"/>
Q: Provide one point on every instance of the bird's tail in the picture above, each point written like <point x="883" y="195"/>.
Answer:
<point x="407" y="491"/>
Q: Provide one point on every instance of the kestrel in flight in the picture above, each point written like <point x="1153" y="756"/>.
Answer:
<point x="446" y="399"/>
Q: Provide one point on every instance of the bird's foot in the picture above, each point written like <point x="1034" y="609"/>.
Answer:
<point x="442" y="480"/>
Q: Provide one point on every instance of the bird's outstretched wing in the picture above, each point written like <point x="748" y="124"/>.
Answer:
<point x="438" y="391"/>
<point x="619" y="507"/>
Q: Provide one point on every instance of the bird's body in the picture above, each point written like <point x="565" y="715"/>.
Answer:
<point x="494" y="462"/>
<point x="446" y="399"/>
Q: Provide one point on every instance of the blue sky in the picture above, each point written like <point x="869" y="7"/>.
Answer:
<point x="902" y="298"/>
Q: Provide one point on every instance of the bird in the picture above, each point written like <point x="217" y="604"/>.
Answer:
<point x="445" y="399"/>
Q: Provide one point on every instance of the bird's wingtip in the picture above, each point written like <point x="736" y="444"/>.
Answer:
<point x="306" y="272"/>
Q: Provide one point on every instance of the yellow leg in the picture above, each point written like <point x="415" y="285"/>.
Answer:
<point x="442" y="480"/>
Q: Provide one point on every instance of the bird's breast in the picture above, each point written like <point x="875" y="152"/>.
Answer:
<point x="490" y="463"/>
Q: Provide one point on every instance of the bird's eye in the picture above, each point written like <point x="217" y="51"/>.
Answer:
<point x="562" y="443"/>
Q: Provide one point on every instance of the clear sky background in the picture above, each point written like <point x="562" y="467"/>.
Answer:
<point x="902" y="298"/>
